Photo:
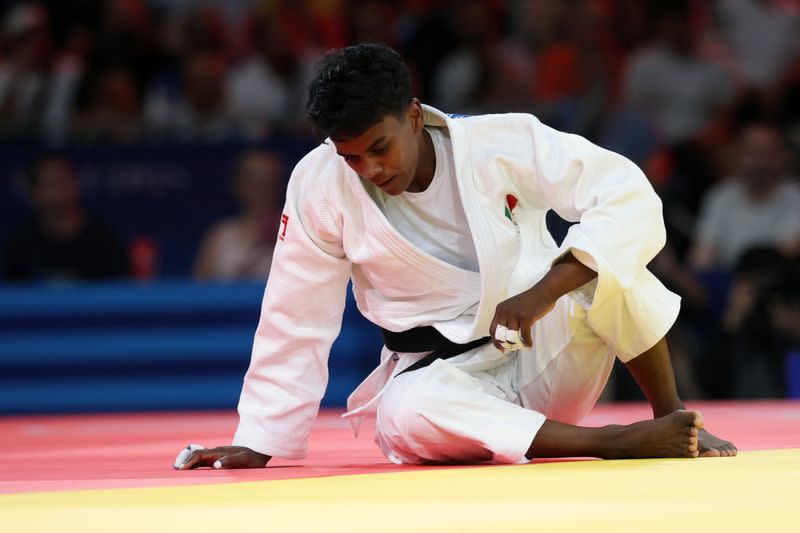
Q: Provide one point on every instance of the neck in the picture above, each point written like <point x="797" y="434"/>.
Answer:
<point x="255" y="218"/>
<point x="62" y="224"/>
<point x="761" y="192"/>
<point x="426" y="167"/>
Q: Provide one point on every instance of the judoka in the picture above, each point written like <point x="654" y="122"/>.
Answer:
<point x="497" y="340"/>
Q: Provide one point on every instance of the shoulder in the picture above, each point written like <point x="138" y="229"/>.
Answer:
<point x="319" y="171"/>
<point x="227" y="228"/>
<point x="790" y="189"/>
<point x="500" y="126"/>
<point x="23" y="235"/>
<point x="489" y="120"/>
<point x="487" y="125"/>
<point x="647" y="57"/>
<point x="244" y="72"/>
<point x="320" y="192"/>
<point x="724" y="195"/>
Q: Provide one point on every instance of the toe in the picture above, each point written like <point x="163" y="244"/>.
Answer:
<point x="711" y="452"/>
<point x="698" y="420"/>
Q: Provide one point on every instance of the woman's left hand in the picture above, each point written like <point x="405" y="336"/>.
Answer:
<point x="514" y="318"/>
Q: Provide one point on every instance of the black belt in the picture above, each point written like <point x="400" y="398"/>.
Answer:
<point x="426" y="339"/>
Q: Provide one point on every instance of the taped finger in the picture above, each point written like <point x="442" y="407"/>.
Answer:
<point x="185" y="453"/>
<point x="513" y="336"/>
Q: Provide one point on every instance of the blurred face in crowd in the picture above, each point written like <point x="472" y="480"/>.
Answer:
<point x="471" y="20"/>
<point x="204" y="78"/>
<point x="272" y="39"/>
<point x="761" y="156"/>
<point x="675" y="31"/>
<point x="126" y="16"/>
<point x="117" y="93"/>
<point x="27" y="35"/>
<point x="54" y="188"/>
<point x="387" y="154"/>
<point x="258" y="182"/>
<point x="369" y="21"/>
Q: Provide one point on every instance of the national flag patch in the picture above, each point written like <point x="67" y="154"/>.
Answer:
<point x="511" y="203"/>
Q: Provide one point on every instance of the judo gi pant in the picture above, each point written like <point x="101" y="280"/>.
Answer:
<point x="449" y="413"/>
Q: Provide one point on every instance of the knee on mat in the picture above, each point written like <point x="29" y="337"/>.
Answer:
<point x="405" y="410"/>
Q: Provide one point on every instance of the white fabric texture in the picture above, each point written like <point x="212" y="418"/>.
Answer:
<point x="334" y="231"/>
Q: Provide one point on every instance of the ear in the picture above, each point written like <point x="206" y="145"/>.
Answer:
<point x="416" y="115"/>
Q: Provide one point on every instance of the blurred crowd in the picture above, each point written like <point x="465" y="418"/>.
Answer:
<point x="127" y="70"/>
<point x="703" y="95"/>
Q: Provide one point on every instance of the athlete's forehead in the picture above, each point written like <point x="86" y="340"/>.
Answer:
<point x="372" y="138"/>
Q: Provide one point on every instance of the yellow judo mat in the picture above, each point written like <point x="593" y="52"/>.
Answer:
<point x="754" y="491"/>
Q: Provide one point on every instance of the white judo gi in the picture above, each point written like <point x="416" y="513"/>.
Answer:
<point x="483" y="404"/>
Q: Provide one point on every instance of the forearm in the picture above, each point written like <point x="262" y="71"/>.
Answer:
<point x="653" y="372"/>
<point x="566" y="275"/>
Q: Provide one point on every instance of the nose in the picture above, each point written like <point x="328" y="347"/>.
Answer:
<point x="371" y="168"/>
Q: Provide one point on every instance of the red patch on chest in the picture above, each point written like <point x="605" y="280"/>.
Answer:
<point x="512" y="201"/>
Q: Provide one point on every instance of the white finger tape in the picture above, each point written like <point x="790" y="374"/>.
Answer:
<point x="500" y="333"/>
<point x="512" y="345"/>
<point x="513" y="336"/>
<point x="184" y="454"/>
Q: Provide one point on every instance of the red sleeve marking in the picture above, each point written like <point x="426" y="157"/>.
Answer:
<point x="284" y="223"/>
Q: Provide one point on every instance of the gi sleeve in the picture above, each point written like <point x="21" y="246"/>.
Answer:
<point x="301" y="316"/>
<point x="620" y="229"/>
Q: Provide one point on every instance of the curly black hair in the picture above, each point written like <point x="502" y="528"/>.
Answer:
<point x="357" y="87"/>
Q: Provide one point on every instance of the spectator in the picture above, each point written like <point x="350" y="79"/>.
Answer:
<point x="760" y="322"/>
<point x="201" y="112"/>
<point x="241" y="247"/>
<point x="114" y="112"/>
<point x="763" y="36"/>
<point x="125" y="39"/>
<point x="62" y="242"/>
<point x="572" y="73"/>
<point x="261" y="87"/>
<point x="758" y="207"/>
<point x="668" y="82"/>
<point x="24" y="59"/>
<point x="460" y="80"/>
<point x="373" y="21"/>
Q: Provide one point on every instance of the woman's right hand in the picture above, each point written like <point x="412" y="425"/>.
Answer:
<point x="222" y="457"/>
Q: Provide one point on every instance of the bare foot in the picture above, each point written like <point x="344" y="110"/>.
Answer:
<point x="710" y="446"/>
<point x="674" y="435"/>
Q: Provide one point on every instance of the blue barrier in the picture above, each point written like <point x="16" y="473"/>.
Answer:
<point x="170" y="193"/>
<point x="123" y="346"/>
<point x="793" y="375"/>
